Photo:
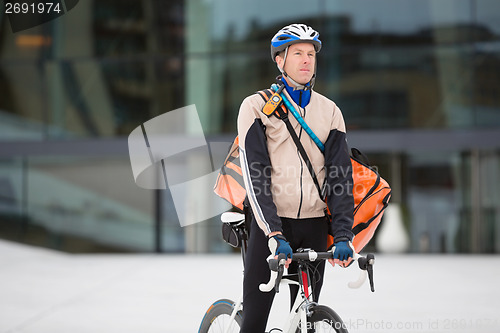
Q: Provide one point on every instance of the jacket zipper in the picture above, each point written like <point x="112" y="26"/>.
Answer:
<point x="301" y="164"/>
<point x="300" y="179"/>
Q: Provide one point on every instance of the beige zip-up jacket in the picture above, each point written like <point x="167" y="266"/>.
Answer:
<point x="276" y="178"/>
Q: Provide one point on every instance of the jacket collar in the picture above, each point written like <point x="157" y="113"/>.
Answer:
<point x="301" y="97"/>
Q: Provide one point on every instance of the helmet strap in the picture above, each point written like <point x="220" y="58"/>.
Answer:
<point x="297" y="86"/>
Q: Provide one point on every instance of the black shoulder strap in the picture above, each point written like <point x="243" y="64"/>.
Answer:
<point x="265" y="94"/>
<point x="284" y="116"/>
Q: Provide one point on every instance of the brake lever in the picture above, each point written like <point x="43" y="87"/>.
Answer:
<point x="278" y="279"/>
<point x="369" y="269"/>
<point x="277" y="265"/>
<point x="366" y="264"/>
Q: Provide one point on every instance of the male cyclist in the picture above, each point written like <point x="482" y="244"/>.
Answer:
<point x="287" y="210"/>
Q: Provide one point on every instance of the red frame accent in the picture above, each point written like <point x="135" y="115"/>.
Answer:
<point x="305" y="283"/>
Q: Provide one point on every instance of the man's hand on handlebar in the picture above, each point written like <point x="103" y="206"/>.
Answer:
<point x="279" y="245"/>
<point x="342" y="253"/>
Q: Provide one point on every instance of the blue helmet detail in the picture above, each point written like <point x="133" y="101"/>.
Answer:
<point x="283" y="39"/>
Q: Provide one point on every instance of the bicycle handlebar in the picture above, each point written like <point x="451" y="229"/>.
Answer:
<point x="277" y="266"/>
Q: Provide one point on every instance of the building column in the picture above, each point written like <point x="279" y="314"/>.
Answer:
<point x="198" y="46"/>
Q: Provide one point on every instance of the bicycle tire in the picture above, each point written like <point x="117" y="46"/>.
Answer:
<point x="217" y="318"/>
<point x="324" y="319"/>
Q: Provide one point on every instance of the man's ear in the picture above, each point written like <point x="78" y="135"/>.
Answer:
<point x="279" y="61"/>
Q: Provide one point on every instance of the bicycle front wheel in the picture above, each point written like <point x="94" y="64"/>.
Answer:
<point x="218" y="318"/>
<point x="323" y="320"/>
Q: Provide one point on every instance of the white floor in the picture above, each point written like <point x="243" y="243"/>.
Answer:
<point x="50" y="292"/>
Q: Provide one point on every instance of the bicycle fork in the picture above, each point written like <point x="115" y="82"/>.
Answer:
<point x="237" y="307"/>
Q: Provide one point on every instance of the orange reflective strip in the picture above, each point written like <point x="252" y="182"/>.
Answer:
<point x="234" y="167"/>
<point x="231" y="190"/>
<point x="263" y="95"/>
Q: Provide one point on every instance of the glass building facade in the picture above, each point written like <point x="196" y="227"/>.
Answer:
<point x="418" y="83"/>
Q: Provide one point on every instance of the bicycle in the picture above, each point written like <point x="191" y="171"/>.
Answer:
<point x="306" y="316"/>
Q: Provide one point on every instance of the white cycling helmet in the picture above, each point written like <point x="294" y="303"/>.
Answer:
<point x="293" y="34"/>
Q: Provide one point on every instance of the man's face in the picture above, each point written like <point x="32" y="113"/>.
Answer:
<point x="300" y="62"/>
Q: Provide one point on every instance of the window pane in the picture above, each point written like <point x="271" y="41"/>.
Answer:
<point x="22" y="101"/>
<point x="87" y="204"/>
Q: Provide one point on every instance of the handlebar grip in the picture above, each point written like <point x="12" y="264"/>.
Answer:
<point x="275" y="263"/>
<point x="359" y="282"/>
<point x="276" y="267"/>
<point x="267" y="287"/>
